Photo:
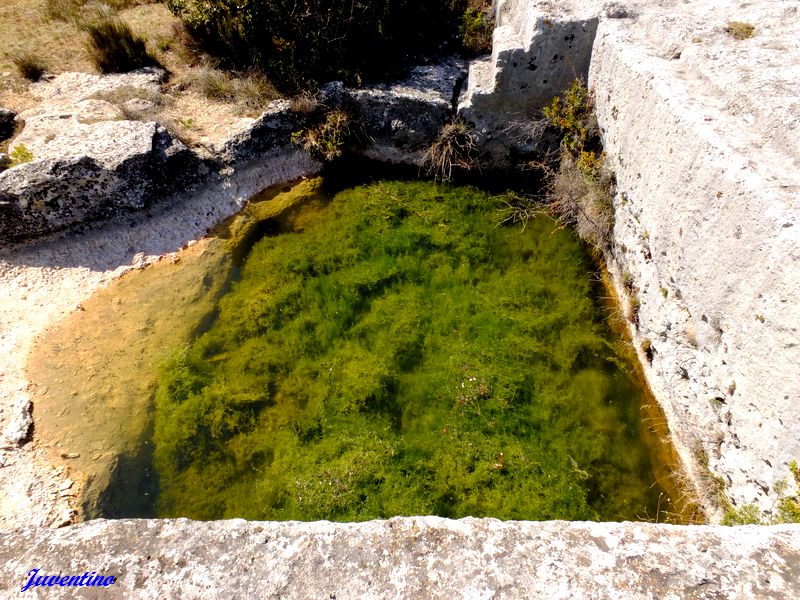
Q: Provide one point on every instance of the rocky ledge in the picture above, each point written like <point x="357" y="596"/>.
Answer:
<point x="405" y="557"/>
<point x="80" y="158"/>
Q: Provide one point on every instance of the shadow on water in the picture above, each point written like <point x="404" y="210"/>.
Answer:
<point x="132" y="491"/>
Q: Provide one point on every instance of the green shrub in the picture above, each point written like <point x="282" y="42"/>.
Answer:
<point x="580" y="190"/>
<point x="749" y="514"/>
<point x="302" y="43"/>
<point x="114" y="48"/>
<point x="29" y="65"/>
<point x="573" y="114"/>
<point x="477" y="26"/>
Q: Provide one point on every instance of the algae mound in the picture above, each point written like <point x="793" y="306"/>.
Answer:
<point x="398" y="353"/>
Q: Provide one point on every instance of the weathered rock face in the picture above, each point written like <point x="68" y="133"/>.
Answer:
<point x="111" y="167"/>
<point x="87" y="162"/>
<point x="398" y="122"/>
<point x="270" y="133"/>
<point x="415" y="557"/>
<point x="537" y="51"/>
<point x="402" y="120"/>
<point x="703" y="138"/>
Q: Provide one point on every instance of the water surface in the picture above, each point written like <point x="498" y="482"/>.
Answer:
<point x="393" y="350"/>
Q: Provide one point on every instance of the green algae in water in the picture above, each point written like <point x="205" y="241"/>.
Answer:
<point x="401" y="354"/>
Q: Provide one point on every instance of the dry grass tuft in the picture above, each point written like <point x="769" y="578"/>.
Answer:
<point x="583" y="201"/>
<point x="114" y="48"/>
<point x="29" y="65"/>
<point x="216" y="84"/>
<point x="64" y="10"/>
<point x="455" y="148"/>
<point x="305" y="103"/>
<point x="327" y="140"/>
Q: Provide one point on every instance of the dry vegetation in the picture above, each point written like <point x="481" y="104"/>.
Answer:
<point x="454" y="148"/>
<point x="578" y="187"/>
<point x="199" y="102"/>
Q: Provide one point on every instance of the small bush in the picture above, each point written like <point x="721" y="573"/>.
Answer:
<point x="302" y="43"/>
<point x="20" y="155"/>
<point x="789" y="505"/>
<point x="216" y="84"/>
<point x="573" y="115"/>
<point x="740" y="30"/>
<point x="326" y="140"/>
<point x="114" y="48"/>
<point x="477" y="26"/>
<point x="583" y="202"/>
<point x="749" y="514"/>
<point x="455" y="147"/>
<point x="581" y="190"/>
<point x="29" y="65"/>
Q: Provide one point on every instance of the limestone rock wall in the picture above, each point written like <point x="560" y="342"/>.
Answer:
<point x="537" y="51"/>
<point x="701" y="130"/>
<point x="413" y="557"/>
<point x="702" y="134"/>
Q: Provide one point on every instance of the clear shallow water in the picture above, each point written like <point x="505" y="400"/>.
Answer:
<point x="393" y="351"/>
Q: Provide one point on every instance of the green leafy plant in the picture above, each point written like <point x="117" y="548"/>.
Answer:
<point x="787" y="507"/>
<point x="114" y="48"/>
<point x="20" y="155"/>
<point x="749" y="514"/>
<point x="740" y="30"/>
<point x="573" y="115"/>
<point x="477" y="26"/>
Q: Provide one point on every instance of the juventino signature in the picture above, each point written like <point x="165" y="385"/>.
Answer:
<point x="68" y="580"/>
